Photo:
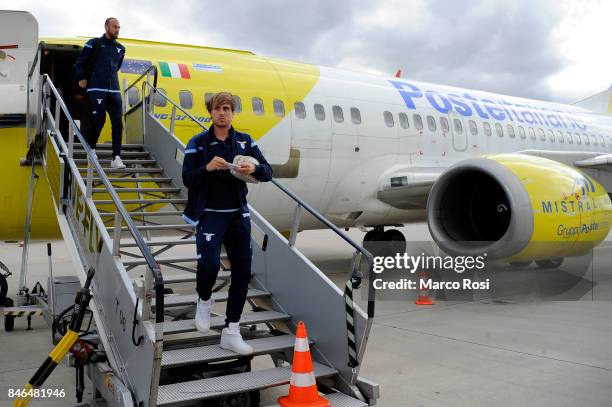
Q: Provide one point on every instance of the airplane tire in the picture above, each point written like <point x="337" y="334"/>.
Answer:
<point x="549" y="264"/>
<point x="3" y="288"/>
<point x="396" y="240"/>
<point x="9" y="320"/>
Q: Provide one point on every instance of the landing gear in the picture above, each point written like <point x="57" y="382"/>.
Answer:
<point x="549" y="264"/>
<point x="379" y="242"/>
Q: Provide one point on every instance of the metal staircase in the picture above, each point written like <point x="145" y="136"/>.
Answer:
<point x="126" y="224"/>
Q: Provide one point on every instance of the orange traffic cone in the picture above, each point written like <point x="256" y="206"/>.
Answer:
<point x="303" y="388"/>
<point x="423" y="298"/>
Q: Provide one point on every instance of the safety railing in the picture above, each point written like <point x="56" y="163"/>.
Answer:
<point x="121" y="214"/>
<point x="355" y="279"/>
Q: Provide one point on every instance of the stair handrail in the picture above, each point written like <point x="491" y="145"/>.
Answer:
<point x="121" y="210"/>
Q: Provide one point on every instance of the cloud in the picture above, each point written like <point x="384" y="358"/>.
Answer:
<point x="525" y="48"/>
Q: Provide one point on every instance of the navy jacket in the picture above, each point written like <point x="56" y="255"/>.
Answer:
<point x="103" y="74"/>
<point x="194" y="170"/>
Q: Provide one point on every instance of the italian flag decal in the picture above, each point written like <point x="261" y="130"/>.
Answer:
<point x="172" y="70"/>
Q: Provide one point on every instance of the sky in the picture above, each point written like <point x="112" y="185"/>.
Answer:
<point x="552" y="50"/>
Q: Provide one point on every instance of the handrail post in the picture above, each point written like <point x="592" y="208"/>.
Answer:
<point x="89" y="182"/>
<point x="172" y="116"/>
<point x="148" y="290"/>
<point x="57" y="115"/>
<point x="295" y="225"/>
<point x="117" y="234"/>
<point x="71" y="132"/>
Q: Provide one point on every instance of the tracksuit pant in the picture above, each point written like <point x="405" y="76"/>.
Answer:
<point x="232" y="229"/>
<point x="101" y="102"/>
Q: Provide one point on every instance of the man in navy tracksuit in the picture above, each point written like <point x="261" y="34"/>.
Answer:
<point x="96" y="70"/>
<point x="217" y="204"/>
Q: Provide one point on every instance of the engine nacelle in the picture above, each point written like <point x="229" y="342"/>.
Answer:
<point x="517" y="207"/>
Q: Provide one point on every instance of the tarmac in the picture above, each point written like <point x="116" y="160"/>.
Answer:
<point x="524" y="351"/>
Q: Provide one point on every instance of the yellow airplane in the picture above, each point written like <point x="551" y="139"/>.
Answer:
<point x="371" y="151"/>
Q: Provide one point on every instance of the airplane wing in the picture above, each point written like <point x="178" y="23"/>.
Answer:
<point x="580" y="159"/>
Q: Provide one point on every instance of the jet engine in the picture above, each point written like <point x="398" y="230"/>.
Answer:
<point x="517" y="207"/>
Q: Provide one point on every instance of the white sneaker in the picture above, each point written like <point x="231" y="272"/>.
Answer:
<point x="232" y="340"/>
<point x="117" y="163"/>
<point x="202" y="317"/>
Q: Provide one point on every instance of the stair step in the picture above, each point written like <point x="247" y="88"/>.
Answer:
<point x="191" y="277"/>
<point x="121" y="190"/>
<point x="188" y="325"/>
<point x="152" y="170"/>
<point x="181" y="226"/>
<point x="338" y="400"/>
<point x="109" y="146"/>
<point x="183" y="393"/>
<point x="159" y="260"/>
<point x="152" y="243"/>
<point x="176" y="300"/>
<point x="142" y="201"/>
<point x="160" y="180"/>
<point x="108" y="153"/>
<point x="126" y="162"/>
<point x="215" y="353"/>
<point x="156" y="213"/>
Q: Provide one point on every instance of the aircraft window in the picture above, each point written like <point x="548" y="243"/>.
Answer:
<point x="319" y="112"/>
<point x="431" y="123"/>
<point x="594" y="139"/>
<point x="511" y="133"/>
<point x="521" y="131"/>
<point x="418" y="122"/>
<point x="585" y="139"/>
<point x="568" y="137"/>
<point x="532" y="133"/>
<point x="338" y="114"/>
<point x="487" y="129"/>
<point x="356" y="115"/>
<point x="542" y="135"/>
<point x="403" y="119"/>
<point x="159" y="100"/>
<point x="499" y="130"/>
<point x="185" y="99"/>
<point x="551" y="136"/>
<point x="208" y="97"/>
<point x="258" y="106"/>
<point x="560" y="136"/>
<point x="388" y="119"/>
<point x="473" y="127"/>
<point x="237" y="104"/>
<point x="279" y="107"/>
<point x="458" y="126"/>
<point x="444" y="124"/>
<point x="300" y="110"/>
<point x="133" y="96"/>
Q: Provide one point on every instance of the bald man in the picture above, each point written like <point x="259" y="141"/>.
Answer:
<point x="96" y="70"/>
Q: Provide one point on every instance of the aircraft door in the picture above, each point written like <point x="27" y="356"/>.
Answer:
<point x="459" y="131"/>
<point x="18" y="45"/>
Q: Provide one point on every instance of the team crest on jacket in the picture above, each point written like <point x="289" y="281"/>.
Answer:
<point x="208" y="236"/>
<point x="242" y="144"/>
<point x="118" y="50"/>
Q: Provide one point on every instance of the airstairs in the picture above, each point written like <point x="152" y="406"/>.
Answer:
<point x="126" y="224"/>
